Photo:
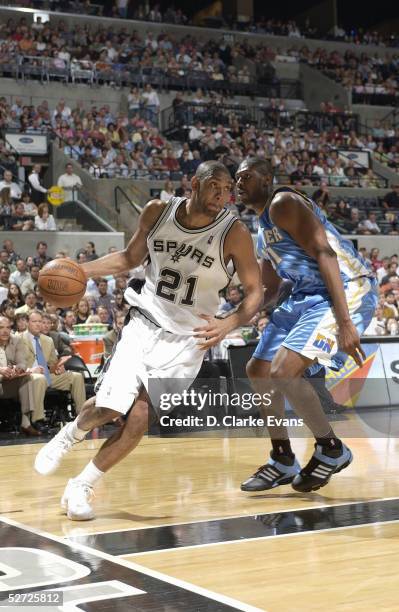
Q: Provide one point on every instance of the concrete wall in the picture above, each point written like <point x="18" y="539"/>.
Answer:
<point x="388" y="245"/>
<point x="369" y="113"/>
<point x="388" y="173"/>
<point x="33" y="92"/>
<point x="319" y="88"/>
<point x="69" y="242"/>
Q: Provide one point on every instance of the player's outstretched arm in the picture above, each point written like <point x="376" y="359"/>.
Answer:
<point x="289" y="212"/>
<point x="238" y="247"/>
<point x="135" y="252"/>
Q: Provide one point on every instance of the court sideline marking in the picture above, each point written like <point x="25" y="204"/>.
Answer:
<point x="238" y="605"/>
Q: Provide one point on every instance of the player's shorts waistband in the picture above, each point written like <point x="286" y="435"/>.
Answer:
<point x="147" y="316"/>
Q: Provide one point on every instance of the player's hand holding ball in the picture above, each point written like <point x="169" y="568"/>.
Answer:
<point x="62" y="282"/>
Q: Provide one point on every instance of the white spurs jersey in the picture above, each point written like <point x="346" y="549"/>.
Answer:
<point x="186" y="273"/>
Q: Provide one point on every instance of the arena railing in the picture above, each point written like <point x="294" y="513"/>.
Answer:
<point x="186" y="114"/>
<point x="118" y="74"/>
<point x="118" y="193"/>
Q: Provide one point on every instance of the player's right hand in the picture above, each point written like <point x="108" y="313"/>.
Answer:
<point x="349" y="342"/>
<point x="213" y="332"/>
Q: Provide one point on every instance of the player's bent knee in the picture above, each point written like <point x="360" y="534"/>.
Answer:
<point x="257" y="368"/>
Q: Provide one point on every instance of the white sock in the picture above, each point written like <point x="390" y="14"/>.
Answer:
<point x="90" y="474"/>
<point x="76" y="434"/>
<point x="25" y="422"/>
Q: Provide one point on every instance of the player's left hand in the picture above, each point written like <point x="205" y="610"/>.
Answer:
<point x="213" y="332"/>
<point x="349" y="342"/>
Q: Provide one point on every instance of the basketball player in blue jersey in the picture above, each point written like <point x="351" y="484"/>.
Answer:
<point x="191" y="244"/>
<point x="333" y="299"/>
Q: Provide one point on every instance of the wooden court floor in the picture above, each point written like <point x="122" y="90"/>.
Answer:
<point x="173" y="509"/>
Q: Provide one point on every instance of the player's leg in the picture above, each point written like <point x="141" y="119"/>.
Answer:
<point x="76" y="500"/>
<point x="118" y="390"/>
<point x="51" y="454"/>
<point x="330" y="455"/>
<point x="281" y="467"/>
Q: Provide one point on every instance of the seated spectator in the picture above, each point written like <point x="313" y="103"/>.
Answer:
<point x="5" y="278"/>
<point x="82" y="311"/>
<point x="61" y="346"/>
<point x="15" y="295"/>
<point x="119" y="304"/>
<point x="44" y="221"/>
<point x="390" y="306"/>
<point x="6" y="207"/>
<point x="30" y="209"/>
<point x="352" y="223"/>
<point x="391" y="199"/>
<point x="392" y="270"/>
<point x="90" y="251"/>
<point x="20" y="323"/>
<point x="369" y="225"/>
<point x="322" y="196"/>
<point x="167" y="192"/>
<point x="19" y="221"/>
<point x="234" y="298"/>
<point x="105" y="316"/>
<point x="104" y="298"/>
<point x="15" y="190"/>
<point x="8" y="246"/>
<point x="7" y="309"/>
<point x="30" y="303"/>
<point x="13" y="384"/>
<point x="374" y="259"/>
<point x="41" y="257"/>
<point x="377" y="324"/>
<point x="111" y="337"/>
<point x="69" y="322"/>
<point x="46" y="371"/>
<point x="20" y="274"/>
<point x="30" y="283"/>
<point x="341" y="212"/>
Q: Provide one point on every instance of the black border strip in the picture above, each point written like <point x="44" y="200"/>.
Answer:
<point x="137" y="541"/>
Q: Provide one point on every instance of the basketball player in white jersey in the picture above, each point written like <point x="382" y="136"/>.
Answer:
<point x="191" y="244"/>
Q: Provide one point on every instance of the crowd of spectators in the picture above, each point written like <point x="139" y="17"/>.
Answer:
<point x="18" y="212"/>
<point x="26" y="319"/>
<point x="118" y="56"/>
<point x="126" y="9"/>
<point x="103" y="301"/>
<point x="117" y="144"/>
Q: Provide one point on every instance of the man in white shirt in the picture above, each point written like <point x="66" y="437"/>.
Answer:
<point x="37" y="190"/>
<point x="152" y="103"/>
<point x="63" y="110"/>
<point x="15" y="190"/>
<point x="69" y="181"/>
<point x="21" y="274"/>
<point x="196" y="133"/>
<point x="369" y="225"/>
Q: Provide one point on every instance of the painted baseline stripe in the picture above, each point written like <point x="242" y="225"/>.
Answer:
<point x="242" y="528"/>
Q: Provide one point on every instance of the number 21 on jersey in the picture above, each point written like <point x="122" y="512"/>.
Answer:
<point x="169" y="284"/>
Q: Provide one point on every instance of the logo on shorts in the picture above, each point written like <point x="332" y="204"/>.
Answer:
<point x="324" y="344"/>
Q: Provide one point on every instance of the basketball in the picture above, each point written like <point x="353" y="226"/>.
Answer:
<point x="62" y="282"/>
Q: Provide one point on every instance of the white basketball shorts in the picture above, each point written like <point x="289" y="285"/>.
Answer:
<point x="145" y="354"/>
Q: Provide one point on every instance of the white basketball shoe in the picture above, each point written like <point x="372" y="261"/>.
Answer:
<point x="76" y="500"/>
<point x="51" y="454"/>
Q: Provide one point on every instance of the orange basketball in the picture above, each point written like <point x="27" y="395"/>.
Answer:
<point x="62" y="282"/>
